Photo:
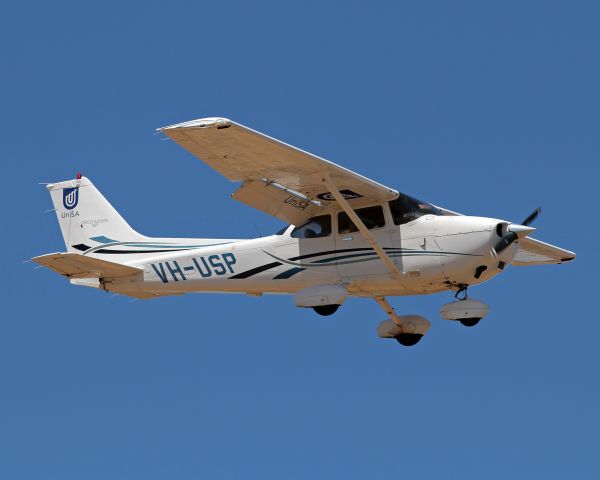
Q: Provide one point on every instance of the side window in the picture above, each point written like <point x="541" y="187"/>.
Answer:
<point x="315" y="227"/>
<point x="372" y="217"/>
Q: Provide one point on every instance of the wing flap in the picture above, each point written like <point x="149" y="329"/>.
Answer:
<point x="289" y="206"/>
<point x="536" y="252"/>
<point x="74" y="265"/>
<point x="241" y="154"/>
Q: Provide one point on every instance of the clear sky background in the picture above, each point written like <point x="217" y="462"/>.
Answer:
<point x="486" y="108"/>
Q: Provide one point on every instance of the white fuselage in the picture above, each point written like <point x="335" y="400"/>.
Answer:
<point x="433" y="253"/>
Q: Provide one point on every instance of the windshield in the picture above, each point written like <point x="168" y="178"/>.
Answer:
<point x="406" y="209"/>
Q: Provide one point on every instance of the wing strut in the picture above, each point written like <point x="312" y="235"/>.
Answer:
<point x="383" y="303"/>
<point x="391" y="266"/>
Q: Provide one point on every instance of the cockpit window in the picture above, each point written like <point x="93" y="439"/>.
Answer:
<point x="315" y="227"/>
<point x="406" y="209"/>
<point x="372" y="217"/>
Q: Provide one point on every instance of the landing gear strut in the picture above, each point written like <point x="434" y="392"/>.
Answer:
<point x="461" y="293"/>
<point x="407" y="330"/>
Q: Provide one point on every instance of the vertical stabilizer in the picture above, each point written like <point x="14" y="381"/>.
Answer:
<point x="84" y="215"/>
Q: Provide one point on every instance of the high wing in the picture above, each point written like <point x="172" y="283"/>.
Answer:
<point x="278" y="179"/>
<point x="287" y="182"/>
<point x="536" y="252"/>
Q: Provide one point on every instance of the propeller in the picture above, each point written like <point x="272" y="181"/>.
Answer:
<point x="516" y="231"/>
<point x="532" y="216"/>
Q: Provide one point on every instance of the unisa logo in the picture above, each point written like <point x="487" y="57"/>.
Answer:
<point x="70" y="197"/>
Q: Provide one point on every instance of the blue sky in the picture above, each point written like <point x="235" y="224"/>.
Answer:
<point x="488" y="108"/>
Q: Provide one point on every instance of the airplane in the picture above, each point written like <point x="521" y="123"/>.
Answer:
<point x="346" y="235"/>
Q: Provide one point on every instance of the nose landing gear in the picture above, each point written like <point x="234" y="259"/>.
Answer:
<point x="464" y="310"/>
<point x="461" y="293"/>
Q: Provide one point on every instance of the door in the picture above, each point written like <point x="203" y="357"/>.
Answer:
<point x="354" y="256"/>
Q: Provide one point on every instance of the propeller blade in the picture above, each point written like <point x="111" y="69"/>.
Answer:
<point x="532" y="216"/>
<point x="504" y="242"/>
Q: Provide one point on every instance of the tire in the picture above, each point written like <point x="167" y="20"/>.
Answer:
<point x="408" y="339"/>
<point x="469" y="322"/>
<point x="326" y="310"/>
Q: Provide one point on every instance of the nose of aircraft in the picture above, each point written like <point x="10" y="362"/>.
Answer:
<point x="514" y="232"/>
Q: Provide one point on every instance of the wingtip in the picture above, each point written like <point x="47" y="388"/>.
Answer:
<point x="570" y="258"/>
<point x="208" y="122"/>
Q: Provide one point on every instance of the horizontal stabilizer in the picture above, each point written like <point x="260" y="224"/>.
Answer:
<point x="73" y="265"/>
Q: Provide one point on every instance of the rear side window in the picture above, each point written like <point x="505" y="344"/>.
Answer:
<point x="315" y="227"/>
<point x="372" y="217"/>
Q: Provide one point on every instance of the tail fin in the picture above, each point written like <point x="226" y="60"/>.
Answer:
<point x="84" y="214"/>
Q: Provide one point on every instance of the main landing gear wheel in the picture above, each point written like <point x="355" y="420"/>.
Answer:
<point x="408" y="339"/>
<point x="326" y="310"/>
<point x="469" y="322"/>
